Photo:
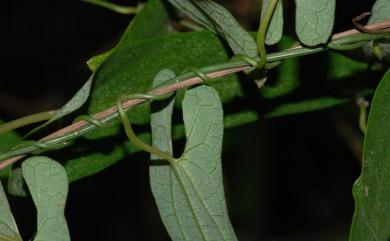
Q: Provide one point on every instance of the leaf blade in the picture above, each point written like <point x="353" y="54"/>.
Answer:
<point x="216" y="18"/>
<point x="314" y="20"/>
<point x="8" y="228"/>
<point x="275" y="28"/>
<point x="71" y="106"/>
<point x="372" y="190"/>
<point x="162" y="179"/>
<point x="48" y="184"/>
<point x="199" y="171"/>
<point x="152" y="21"/>
<point x="239" y="40"/>
<point x="380" y="12"/>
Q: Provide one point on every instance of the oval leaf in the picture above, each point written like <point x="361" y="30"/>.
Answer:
<point x="372" y="190"/>
<point x="8" y="229"/>
<point x="314" y="20"/>
<point x="48" y="185"/>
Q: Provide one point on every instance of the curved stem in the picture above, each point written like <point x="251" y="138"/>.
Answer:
<point x="261" y="33"/>
<point x="135" y="140"/>
<point x="27" y="120"/>
<point x="113" y="7"/>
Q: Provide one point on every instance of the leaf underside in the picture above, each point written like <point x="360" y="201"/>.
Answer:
<point x="48" y="184"/>
<point x="380" y="12"/>
<point x="8" y="228"/>
<point x="216" y="18"/>
<point x="314" y="20"/>
<point x="190" y="191"/>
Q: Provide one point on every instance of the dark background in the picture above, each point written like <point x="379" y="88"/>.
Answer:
<point x="286" y="178"/>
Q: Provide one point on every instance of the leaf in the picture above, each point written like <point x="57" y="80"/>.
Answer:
<point x="314" y="20"/>
<point x="48" y="185"/>
<point x="152" y="21"/>
<point x="239" y="40"/>
<point x="72" y="105"/>
<point x="372" y="190"/>
<point x="199" y="172"/>
<point x="130" y="70"/>
<point x="191" y="10"/>
<point x="162" y="179"/>
<point x="16" y="183"/>
<point x="217" y="19"/>
<point x="8" y="228"/>
<point x="275" y="27"/>
<point x="380" y="12"/>
<point x="189" y="193"/>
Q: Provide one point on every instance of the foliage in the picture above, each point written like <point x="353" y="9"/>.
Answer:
<point x="371" y="192"/>
<point x="153" y="61"/>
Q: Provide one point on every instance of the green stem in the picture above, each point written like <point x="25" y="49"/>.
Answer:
<point x="261" y="33"/>
<point x="273" y="57"/>
<point x="114" y="7"/>
<point x="135" y="140"/>
<point x="27" y="120"/>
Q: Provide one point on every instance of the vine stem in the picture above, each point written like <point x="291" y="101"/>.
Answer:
<point x="115" y="7"/>
<point x="27" y="120"/>
<point x="186" y="80"/>
<point x="138" y="142"/>
<point x="261" y="33"/>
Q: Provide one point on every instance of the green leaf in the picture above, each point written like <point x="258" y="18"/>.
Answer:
<point x="275" y="27"/>
<point x="239" y="40"/>
<point x="162" y="179"/>
<point x="190" y="9"/>
<point x="130" y="70"/>
<point x="314" y="20"/>
<point x="380" y="12"/>
<point x="372" y="190"/>
<point x="8" y="228"/>
<point x="48" y="185"/>
<point x="219" y="20"/>
<point x="16" y="183"/>
<point x="72" y="105"/>
<point x="199" y="172"/>
<point x="152" y="21"/>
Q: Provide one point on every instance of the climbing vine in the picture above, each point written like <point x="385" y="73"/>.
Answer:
<point x="156" y="70"/>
